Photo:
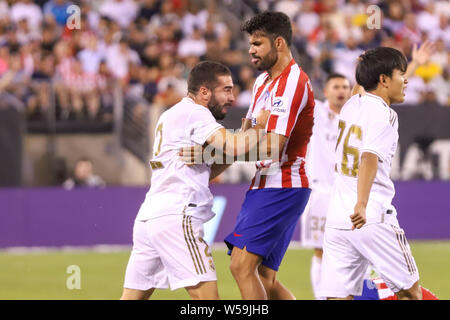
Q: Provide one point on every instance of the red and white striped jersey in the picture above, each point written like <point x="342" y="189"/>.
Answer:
<point x="290" y="99"/>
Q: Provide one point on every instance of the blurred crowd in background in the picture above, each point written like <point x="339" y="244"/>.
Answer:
<point x="148" y="47"/>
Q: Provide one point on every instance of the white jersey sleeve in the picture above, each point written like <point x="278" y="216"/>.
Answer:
<point x="201" y="125"/>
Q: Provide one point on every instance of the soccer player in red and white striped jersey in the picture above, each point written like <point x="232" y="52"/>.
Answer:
<point x="291" y="100"/>
<point x="280" y="189"/>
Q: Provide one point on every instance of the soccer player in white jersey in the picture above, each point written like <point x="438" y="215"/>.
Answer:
<point x="320" y="168"/>
<point x="362" y="226"/>
<point x="168" y="246"/>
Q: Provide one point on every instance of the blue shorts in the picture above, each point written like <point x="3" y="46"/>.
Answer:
<point x="267" y="221"/>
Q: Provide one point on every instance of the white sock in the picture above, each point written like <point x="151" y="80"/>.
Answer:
<point x="316" y="268"/>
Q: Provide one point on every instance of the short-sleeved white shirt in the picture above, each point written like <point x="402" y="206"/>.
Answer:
<point x="176" y="187"/>
<point x="320" y="159"/>
<point x="367" y="124"/>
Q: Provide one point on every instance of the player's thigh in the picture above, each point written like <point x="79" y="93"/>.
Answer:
<point x="184" y="253"/>
<point x="387" y="249"/>
<point x="204" y="291"/>
<point x="343" y="267"/>
<point x="144" y="269"/>
<point x="313" y="220"/>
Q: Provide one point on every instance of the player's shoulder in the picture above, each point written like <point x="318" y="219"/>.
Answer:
<point x="260" y="79"/>
<point x="320" y="108"/>
<point x="296" y="73"/>
<point x="376" y="108"/>
<point x="351" y="105"/>
<point x="189" y="110"/>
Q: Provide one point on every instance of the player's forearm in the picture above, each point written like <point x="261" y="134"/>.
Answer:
<point x="242" y="142"/>
<point x="366" y="175"/>
<point x="217" y="169"/>
<point x="412" y="66"/>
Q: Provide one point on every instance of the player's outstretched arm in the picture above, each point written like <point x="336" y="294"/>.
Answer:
<point x="420" y="56"/>
<point x="226" y="146"/>
<point x="366" y="175"/>
<point x="217" y="169"/>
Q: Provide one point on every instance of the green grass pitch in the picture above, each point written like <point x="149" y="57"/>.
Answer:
<point x="44" y="275"/>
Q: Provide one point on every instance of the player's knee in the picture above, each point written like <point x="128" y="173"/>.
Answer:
<point x="240" y="270"/>
<point x="236" y="268"/>
<point x="268" y="278"/>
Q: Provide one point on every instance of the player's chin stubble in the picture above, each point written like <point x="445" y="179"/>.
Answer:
<point x="217" y="109"/>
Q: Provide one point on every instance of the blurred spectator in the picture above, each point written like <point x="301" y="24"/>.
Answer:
<point x="4" y="11"/>
<point x="409" y="30"/>
<point x="118" y="58"/>
<point x="307" y="19"/>
<point x="440" y="86"/>
<point x="40" y="100"/>
<point x="195" y="18"/>
<point x="25" y="34"/>
<point x="121" y="11"/>
<point x="428" y="19"/>
<point x="83" y="176"/>
<point x="147" y="10"/>
<point x="56" y="11"/>
<point x="443" y="32"/>
<point x="346" y="58"/>
<point x="194" y="45"/>
<point x="26" y="9"/>
<point x="91" y="55"/>
<point x="289" y="7"/>
<point x="441" y="55"/>
<point x="393" y="20"/>
<point x="245" y="85"/>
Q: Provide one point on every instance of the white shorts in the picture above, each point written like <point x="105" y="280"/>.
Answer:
<point x="169" y="251"/>
<point x="313" y="220"/>
<point x="348" y="253"/>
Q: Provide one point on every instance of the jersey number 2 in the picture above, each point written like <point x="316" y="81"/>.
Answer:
<point x="349" y="150"/>
<point x="158" y="140"/>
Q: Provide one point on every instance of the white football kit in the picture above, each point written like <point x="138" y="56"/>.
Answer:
<point x="320" y="170"/>
<point x="168" y="246"/>
<point x="367" y="124"/>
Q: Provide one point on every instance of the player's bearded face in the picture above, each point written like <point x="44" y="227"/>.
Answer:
<point x="263" y="53"/>
<point x="221" y="97"/>
<point x="218" y="109"/>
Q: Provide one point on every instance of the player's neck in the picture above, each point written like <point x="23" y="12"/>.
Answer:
<point x="283" y="61"/>
<point x="197" y="100"/>
<point x="334" y="108"/>
<point x="382" y="94"/>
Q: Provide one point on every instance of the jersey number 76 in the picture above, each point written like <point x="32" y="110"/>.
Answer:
<point x="355" y="130"/>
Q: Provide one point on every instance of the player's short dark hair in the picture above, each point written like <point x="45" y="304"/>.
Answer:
<point x="378" y="61"/>
<point x="205" y="74"/>
<point x="273" y="24"/>
<point x="335" y="75"/>
<point x="83" y="159"/>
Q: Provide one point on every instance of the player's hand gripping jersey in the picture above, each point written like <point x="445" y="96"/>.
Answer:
<point x="290" y="99"/>
<point x="176" y="187"/>
<point x="367" y="124"/>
